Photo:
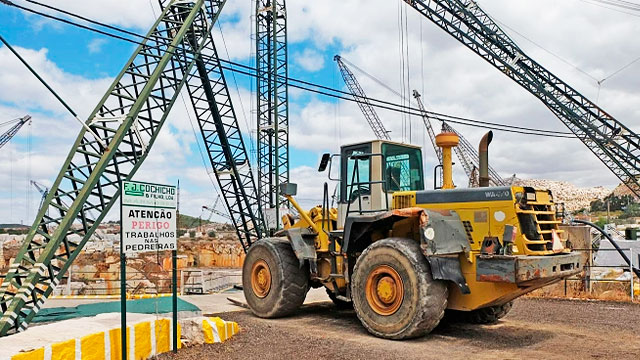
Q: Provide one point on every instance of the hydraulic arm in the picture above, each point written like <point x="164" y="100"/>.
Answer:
<point x="617" y="146"/>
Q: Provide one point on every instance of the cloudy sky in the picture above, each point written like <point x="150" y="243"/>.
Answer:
<point x="579" y="40"/>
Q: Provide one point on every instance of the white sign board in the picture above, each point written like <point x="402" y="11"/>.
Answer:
<point x="148" y="217"/>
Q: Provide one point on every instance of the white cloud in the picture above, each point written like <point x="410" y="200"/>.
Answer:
<point x="26" y="91"/>
<point x="95" y="45"/>
<point x="456" y="81"/>
<point x="310" y="185"/>
<point x="309" y="60"/>
<point x="131" y="14"/>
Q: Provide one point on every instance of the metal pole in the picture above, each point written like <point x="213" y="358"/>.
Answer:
<point x="631" y="271"/>
<point x="174" y="275"/>
<point x="123" y="290"/>
<point x="69" y="281"/>
<point x="174" y="256"/>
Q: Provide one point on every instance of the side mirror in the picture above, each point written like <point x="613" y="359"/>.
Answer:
<point x="288" y="189"/>
<point x="324" y="162"/>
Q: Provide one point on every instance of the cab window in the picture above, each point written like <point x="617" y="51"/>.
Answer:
<point x="403" y="168"/>
<point x="347" y="175"/>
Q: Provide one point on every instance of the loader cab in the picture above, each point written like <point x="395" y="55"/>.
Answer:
<point x="371" y="172"/>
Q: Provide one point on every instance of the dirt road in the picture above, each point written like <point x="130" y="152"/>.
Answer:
<point x="534" y="329"/>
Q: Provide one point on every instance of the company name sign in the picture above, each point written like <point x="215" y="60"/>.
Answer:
<point x="148" y="217"/>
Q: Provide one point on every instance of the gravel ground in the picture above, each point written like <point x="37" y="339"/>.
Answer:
<point x="534" y="329"/>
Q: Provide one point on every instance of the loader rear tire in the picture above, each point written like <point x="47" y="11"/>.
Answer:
<point x="487" y="315"/>
<point x="394" y="294"/>
<point x="274" y="284"/>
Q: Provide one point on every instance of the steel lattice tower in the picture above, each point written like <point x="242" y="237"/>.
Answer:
<point x="272" y="103"/>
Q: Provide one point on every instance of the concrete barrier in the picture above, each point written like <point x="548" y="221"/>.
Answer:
<point x="144" y="340"/>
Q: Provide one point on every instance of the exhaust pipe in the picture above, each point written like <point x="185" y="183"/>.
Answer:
<point x="483" y="151"/>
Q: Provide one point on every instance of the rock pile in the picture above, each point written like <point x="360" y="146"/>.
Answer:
<point x="574" y="197"/>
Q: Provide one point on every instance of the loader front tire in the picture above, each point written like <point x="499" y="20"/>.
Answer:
<point x="273" y="282"/>
<point x="394" y="294"/>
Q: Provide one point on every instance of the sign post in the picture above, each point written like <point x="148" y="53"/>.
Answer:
<point x="147" y="223"/>
<point x="123" y="290"/>
<point x="174" y="302"/>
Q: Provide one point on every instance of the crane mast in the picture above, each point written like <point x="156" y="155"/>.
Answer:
<point x="613" y="143"/>
<point x="272" y="104"/>
<point x="363" y="102"/>
<point x="5" y="137"/>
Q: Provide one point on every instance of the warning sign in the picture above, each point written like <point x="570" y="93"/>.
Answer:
<point x="148" y="217"/>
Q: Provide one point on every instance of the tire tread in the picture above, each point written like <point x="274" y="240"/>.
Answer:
<point x="432" y="301"/>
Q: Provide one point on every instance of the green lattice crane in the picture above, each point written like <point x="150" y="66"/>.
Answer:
<point x="178" y="50"/>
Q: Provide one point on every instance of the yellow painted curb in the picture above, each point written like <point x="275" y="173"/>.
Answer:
<point x="144" y="340"/>
<point x="217" y="330"/>
<point x="148" y="338"/>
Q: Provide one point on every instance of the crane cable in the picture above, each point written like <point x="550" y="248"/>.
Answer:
<point x="386" y="104"/>
<point x="400" y="107"/>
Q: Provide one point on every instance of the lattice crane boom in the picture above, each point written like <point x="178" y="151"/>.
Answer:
<point x="43" y="190"/>
<point x="225" y="145"/>
<point x="13" y="130"/>
<point x="363" y="101"/>
<point x="128" y="119"/>
<point x="428" y="126"/>
<point x="212" y="211"/>
<point x="615" y="145"/>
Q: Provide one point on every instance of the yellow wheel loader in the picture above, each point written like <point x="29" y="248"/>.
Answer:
<point x="402" y="255"/>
